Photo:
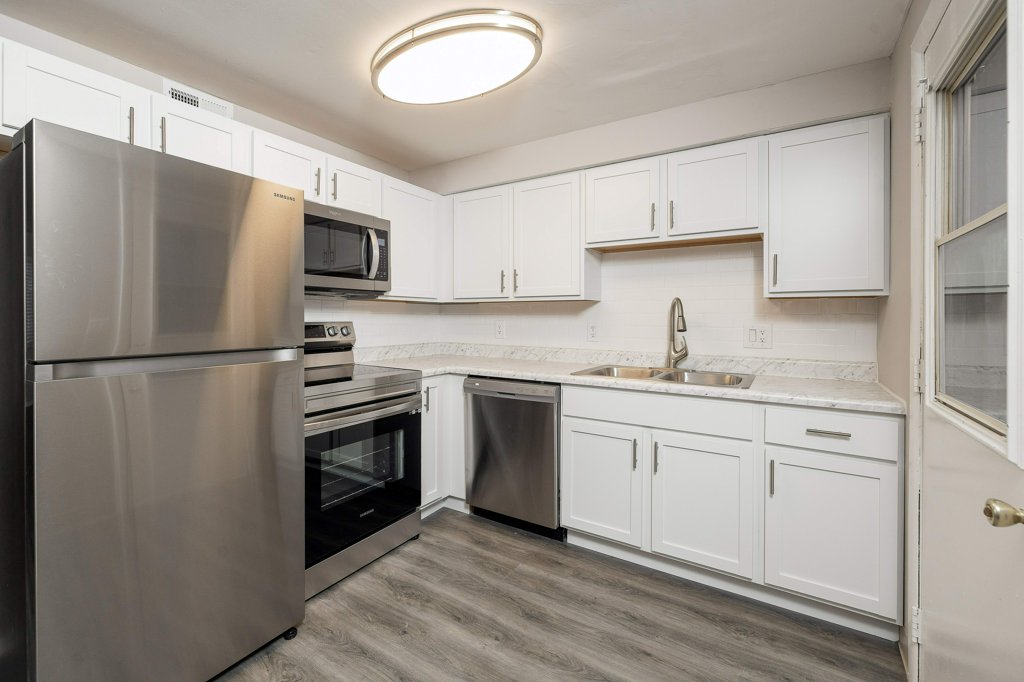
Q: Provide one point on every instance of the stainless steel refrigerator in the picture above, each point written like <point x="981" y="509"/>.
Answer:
<point x="151" y="471"/>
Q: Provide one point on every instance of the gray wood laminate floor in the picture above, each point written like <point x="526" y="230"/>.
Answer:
<point x="475" y="600"/>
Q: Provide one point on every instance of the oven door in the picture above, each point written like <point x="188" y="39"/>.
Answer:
<point x="362" y="473"/>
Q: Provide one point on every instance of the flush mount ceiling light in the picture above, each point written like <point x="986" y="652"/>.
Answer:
<point x="456" y="56"/>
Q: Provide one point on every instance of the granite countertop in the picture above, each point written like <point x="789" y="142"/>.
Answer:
<point x="864" y="396"/>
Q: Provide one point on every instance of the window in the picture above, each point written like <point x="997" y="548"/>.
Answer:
<point x="972" y="252"/>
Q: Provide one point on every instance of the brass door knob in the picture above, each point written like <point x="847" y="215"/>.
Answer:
<point x="1001" y="514"/>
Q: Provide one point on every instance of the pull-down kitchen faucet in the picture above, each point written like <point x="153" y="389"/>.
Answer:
<point x="676" y="323"/>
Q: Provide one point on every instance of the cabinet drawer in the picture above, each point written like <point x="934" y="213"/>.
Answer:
<point x="727" y="418"/>
<point x="834" y="431"/>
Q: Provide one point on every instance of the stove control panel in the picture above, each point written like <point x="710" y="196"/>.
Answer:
<point x="328" y="334"/>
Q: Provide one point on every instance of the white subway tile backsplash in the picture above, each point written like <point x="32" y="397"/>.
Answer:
<point x="721" y="290"/>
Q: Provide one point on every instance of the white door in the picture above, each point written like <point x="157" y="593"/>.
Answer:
<point x="623" y="201"/>
<point x="547" y="245"/>
<point x="432" y="461"/>
<point x="183" y="130"/>
<point x="718" y="188"/>
<point x="415" y="239"/>
<point x="828" y="208"/>
<point x="602" y="479"/>
<point x="481" y="240"/>
<point x="289" y="163"/>
<point x="971" y="599"/>
<point x="38" y="85"/>
<point x="702" y="501"/>
<point x="831" y="528"/>
<point x="353" y="187"/>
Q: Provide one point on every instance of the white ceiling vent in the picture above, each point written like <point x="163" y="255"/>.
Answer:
<point x="198" y="99"/>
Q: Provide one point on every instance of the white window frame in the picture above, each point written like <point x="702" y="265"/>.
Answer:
<point x="936" y="164"/>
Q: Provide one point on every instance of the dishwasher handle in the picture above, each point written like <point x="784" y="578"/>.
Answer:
<point x="514" y="390"/>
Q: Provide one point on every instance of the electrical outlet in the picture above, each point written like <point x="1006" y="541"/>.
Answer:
<point x="591" y="332"/>
<point x="499" y="329"/>
<point x="757" y="335"/>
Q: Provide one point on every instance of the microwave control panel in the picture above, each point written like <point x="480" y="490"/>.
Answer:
<point x="382" y="266"/>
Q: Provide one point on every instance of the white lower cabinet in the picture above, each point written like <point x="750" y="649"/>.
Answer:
<point x="831" y="528"/>
<point x="602" y="480"/>
<point x="702" y="501"/>
<point x="432" y="444"/>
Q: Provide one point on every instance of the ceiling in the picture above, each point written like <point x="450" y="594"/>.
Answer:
<point x="307" y="63"/>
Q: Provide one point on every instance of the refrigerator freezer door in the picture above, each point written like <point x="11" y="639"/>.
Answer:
<point x="168" y="520"/>
<point x="137" y="253"/>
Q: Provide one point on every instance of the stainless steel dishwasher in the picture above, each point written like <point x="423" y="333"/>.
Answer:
<point x="512" y="449"/>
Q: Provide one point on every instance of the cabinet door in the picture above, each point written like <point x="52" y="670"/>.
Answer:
<point x="547" y="250"/>
<point x="831" y="528"/>
<point x="702" y="501"/>
<point x="432" y="448"/>
<point x="353" y="186"/>
<point x="289" y="163"/>
<point x="183" y="130"/>
<point x="624" y="201"/>
<point x="38" y="85"/>
<point x="828" y="215"/>
<point x="482" y="221"/>
<point x="602" y="484"/>
<point x="717" y="188"/>
<point x="414" y="239"/>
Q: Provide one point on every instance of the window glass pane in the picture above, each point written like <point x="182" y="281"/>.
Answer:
<point x="979" y="138"/>
<point x="972" y="318"/>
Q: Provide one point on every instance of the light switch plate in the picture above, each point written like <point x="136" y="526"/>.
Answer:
<point x="757" y="335"/>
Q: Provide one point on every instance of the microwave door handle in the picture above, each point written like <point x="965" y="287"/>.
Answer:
<point x="375" y="259"/>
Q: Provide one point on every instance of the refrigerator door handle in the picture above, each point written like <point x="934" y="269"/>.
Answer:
<point x="167" y="363"/>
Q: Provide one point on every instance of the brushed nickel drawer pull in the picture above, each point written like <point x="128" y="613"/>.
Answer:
<point x="771" y="479"/>
<point x="316" y="192"/>
<point x="672" y="215"/>
<point x="775" y="269"/>
<point x="655" y="457"/>
<point x="634" y="454"/>
<point x="163" y="134"/>
<point x="829" y="434"/>
<point x="502" y="281"/>
<point x="334" y="184"/>
<point x="515" y="280"/>
<point x="652" y="216"/>
<point x="131" y="125"/>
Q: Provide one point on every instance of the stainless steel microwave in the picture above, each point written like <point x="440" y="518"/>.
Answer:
<point x="346" y="253"/>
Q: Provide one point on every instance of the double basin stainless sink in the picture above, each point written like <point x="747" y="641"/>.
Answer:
<point x="668" y="374"/>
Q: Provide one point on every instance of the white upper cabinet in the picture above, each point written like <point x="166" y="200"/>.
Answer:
<point x="547" y="248"/>
<point x="415" y="239"/>
<point x="183" y="130"/>
<point x="290" y="163"/>
<point x="353" y="187"/>
<point x="718" y="188"/>
<point x="623" y="201"/>
<point x="482" y="224"/>
<point x="828" y="221"/>
<point x="38" y="85"/>
<point x="702" y="501"/>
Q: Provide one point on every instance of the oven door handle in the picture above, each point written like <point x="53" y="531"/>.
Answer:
<point x="365" y="414"/>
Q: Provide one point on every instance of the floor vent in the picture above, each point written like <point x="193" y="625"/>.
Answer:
<point x="198" y="99"/>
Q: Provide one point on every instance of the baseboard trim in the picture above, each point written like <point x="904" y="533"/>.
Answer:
<point x="854" y="621"/>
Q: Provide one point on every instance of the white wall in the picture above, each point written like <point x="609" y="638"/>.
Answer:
<point x="840" y="93"/>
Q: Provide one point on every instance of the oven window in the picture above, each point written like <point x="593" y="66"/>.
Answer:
<point x="349" y="470"/>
